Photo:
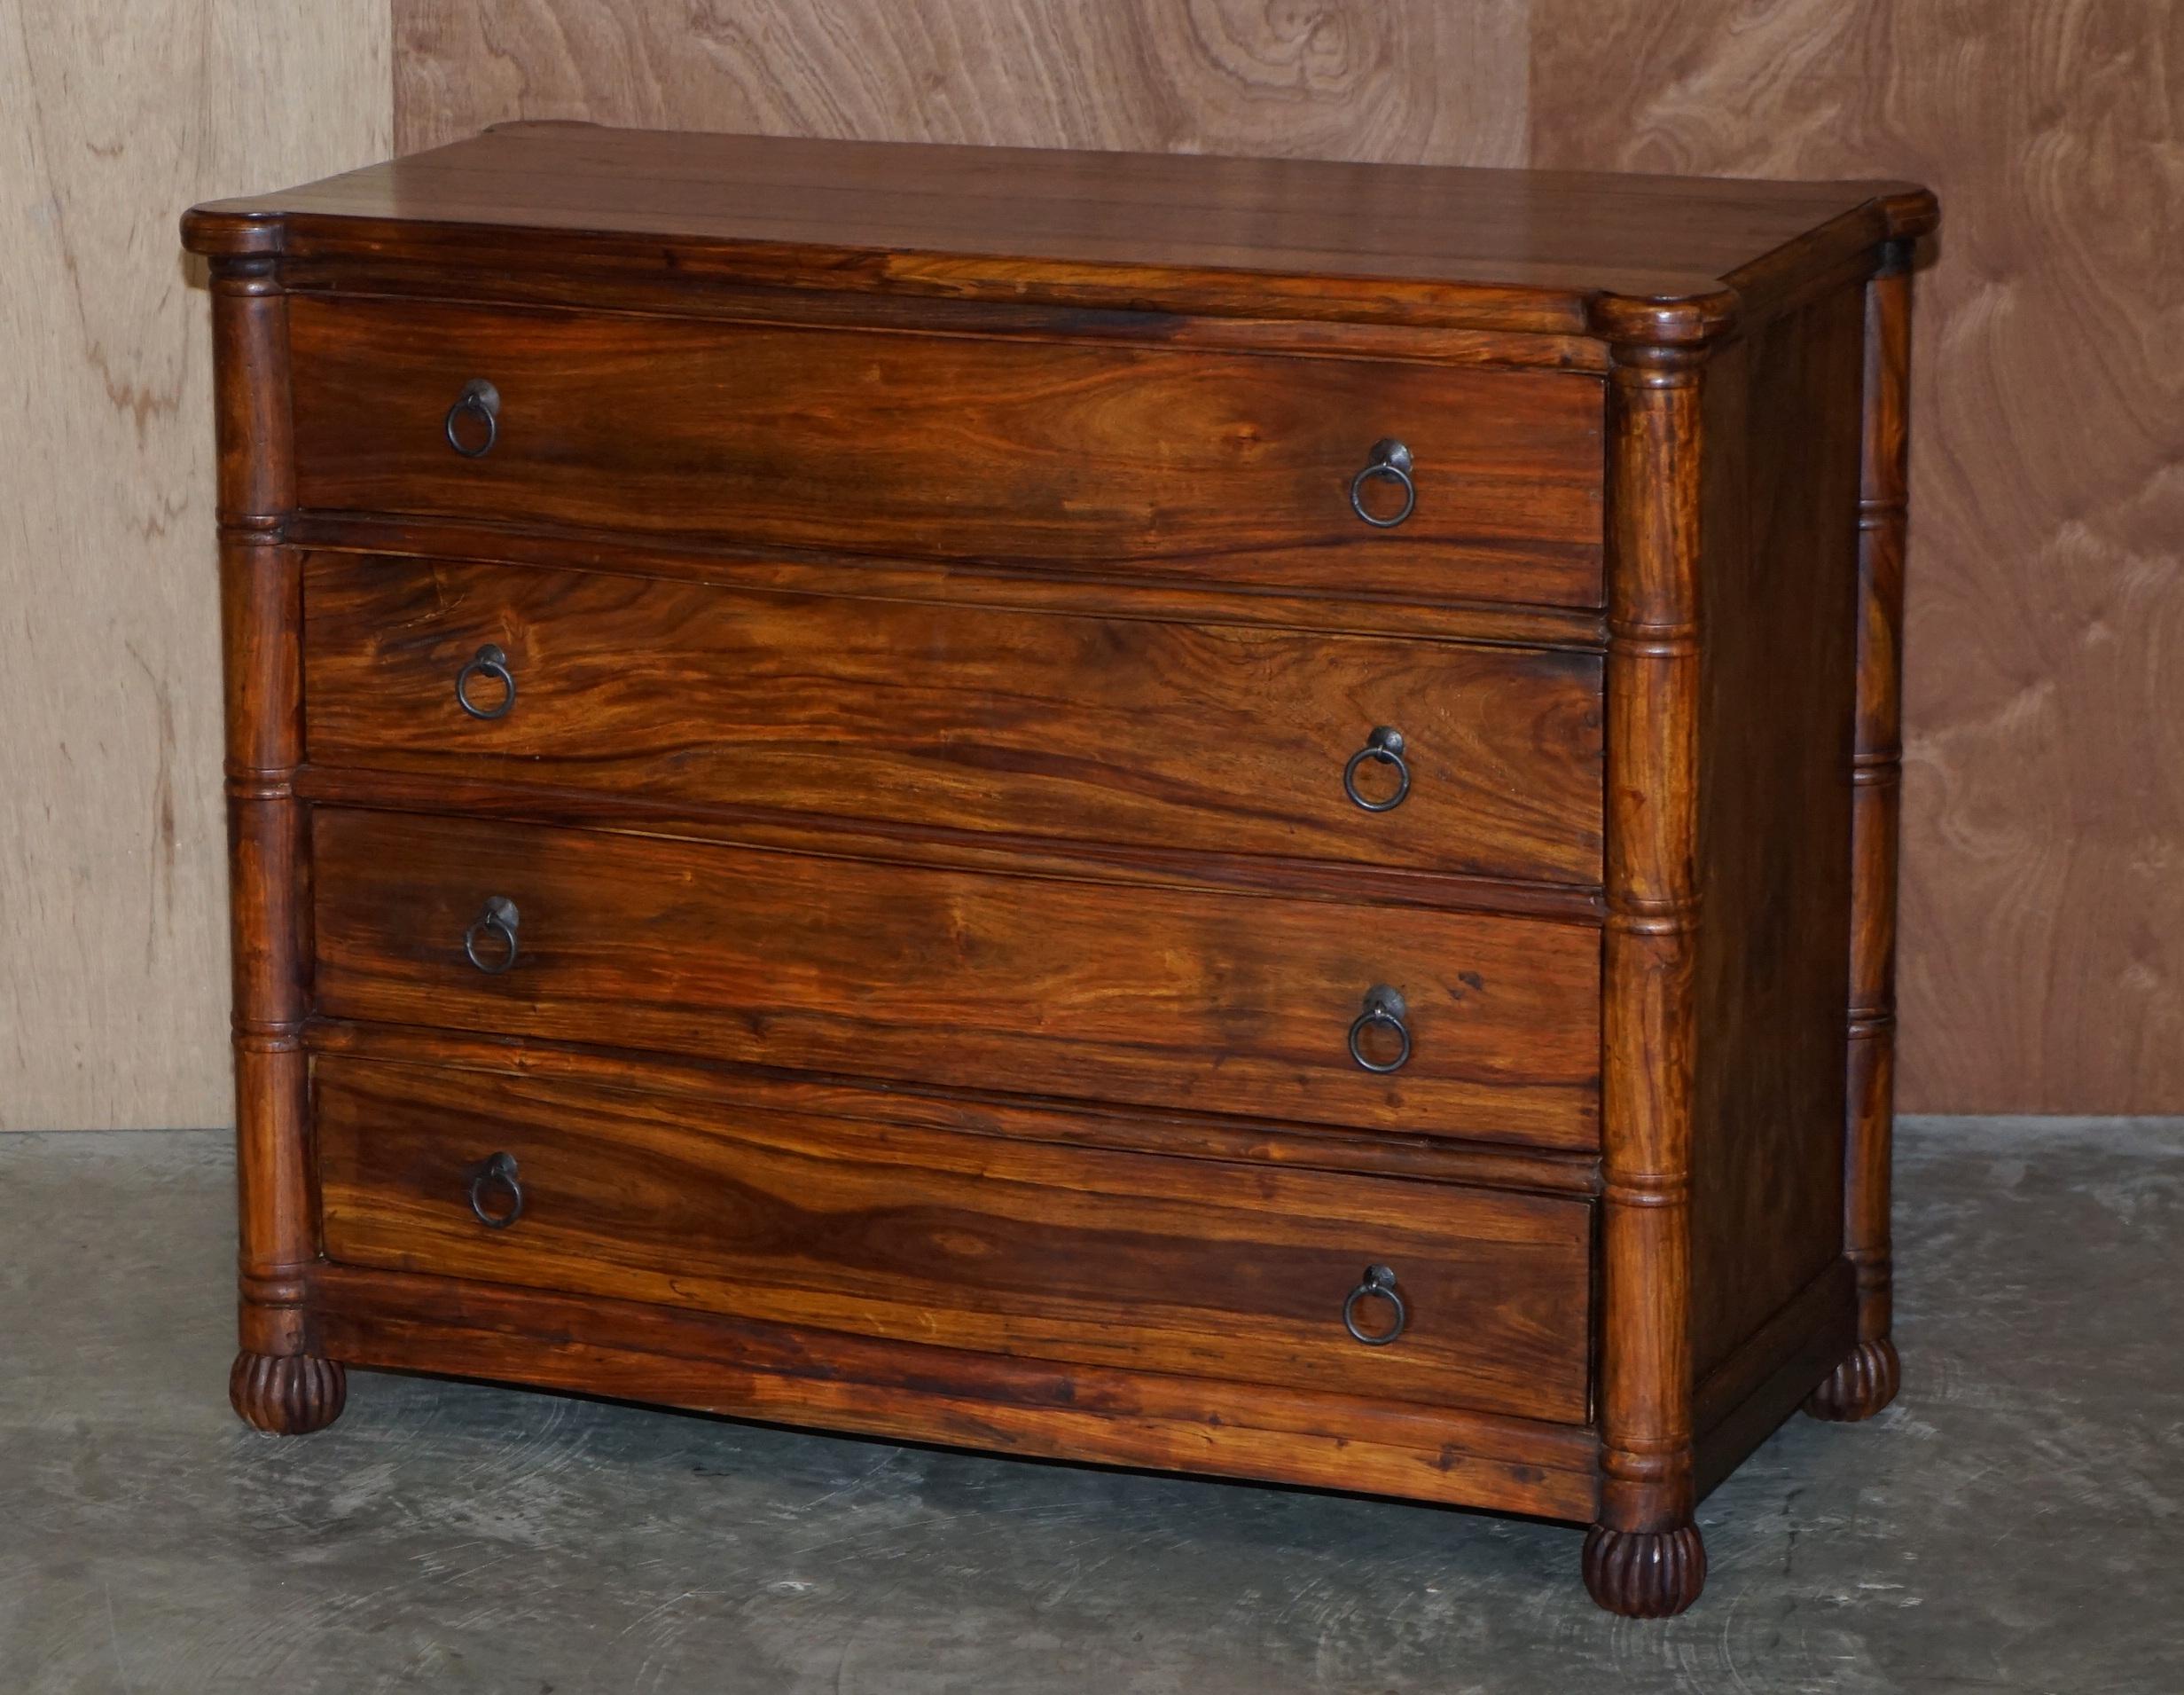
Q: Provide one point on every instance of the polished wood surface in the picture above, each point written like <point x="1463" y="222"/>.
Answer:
<point x="1643" y="1558"/>
<point x="673" y="1357"/>
<point x="1526" y="250"/>
<point x="843" y="941"/>
<point x="1186" y="1266"/>
<point x="1113" y="730"/>
<point x="1164" y="998"/>
<point x="261" y="623"/>
<point x="1217" y="468"/>
<point x="1777" y="612"/>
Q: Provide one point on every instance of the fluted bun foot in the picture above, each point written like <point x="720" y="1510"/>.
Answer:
<point x="289" y="1395"/>
<point x="1861" y="1386"/>
<point x="1645" y="1574"/>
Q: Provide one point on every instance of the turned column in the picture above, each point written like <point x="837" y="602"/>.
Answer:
<point x="1865" y="1380"/>
<point x="1644" y="1558"/>
<point x="278" y="1383"/>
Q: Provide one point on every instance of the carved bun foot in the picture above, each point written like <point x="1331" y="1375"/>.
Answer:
<point x="1861" y="1386"/>
<point x="287" y="1394"/>
<point x="1645" y="1574"/>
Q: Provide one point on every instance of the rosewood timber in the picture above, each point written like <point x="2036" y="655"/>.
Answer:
<point x="1227" y="1003"/>
<point x="982" y="1077"/>
<point x="1111" y="730"/>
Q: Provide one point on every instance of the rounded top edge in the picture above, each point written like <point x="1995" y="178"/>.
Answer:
<point x="1909" y="212"/>
<point x="227" y="229"/>
<point x="1687" y="322"/>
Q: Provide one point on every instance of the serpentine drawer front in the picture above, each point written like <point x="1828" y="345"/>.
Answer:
<point x="1187" y="812"/>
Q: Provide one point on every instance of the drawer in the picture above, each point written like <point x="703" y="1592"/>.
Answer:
<point x="1066" y="727"/>
<point x="1148" y="996"/>
<point x="1185" y="1266"/>
<point x="1225" y="467"/>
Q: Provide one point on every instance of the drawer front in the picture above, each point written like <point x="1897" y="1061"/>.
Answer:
<point x="1066" y="727"/>
<point x="1180" y="1265"/>
<point x="1221" y="467"/>
<point x="1158" y="997"/>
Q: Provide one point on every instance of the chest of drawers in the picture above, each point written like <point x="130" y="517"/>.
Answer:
<point x="1236" y="816"/>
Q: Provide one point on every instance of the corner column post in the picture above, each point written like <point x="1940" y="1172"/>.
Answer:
<point x="278" y="1384"/>
<point x="1866" y="1379"/>
<point x="1645" y="1558"/>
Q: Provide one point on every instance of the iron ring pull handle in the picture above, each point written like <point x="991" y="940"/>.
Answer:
<point x="1384" y="1008"/>
<point x="500" y="1171"/>
<point x="1378" y="1280"/>
<point x="1389" y="461"/>
<point x="480" y="400"/>
<point x="1385" y="747"/>
<point x="490" y="661"/>
<point x="499" y="920"/>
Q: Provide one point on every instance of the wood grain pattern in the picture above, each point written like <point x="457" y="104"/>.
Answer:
<point x="2042" y="905"/>
<point x="1221" y="1002"/>
<point x="1397" y="80"/>
<point x="1643" y="1558"/>
<point x="905" y="1393"/>
<point x="1226" y="237"/>
<point x="1211" y="467"/>
<point x="1184" y="1267"/>
<point x="716" y="1091"/>
<point x="1121" y="731"/>
<point x="112" y="853"/>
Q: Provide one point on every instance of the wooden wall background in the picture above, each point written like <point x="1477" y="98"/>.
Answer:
<point x="2044" y="894"/>
<point x="112" y="843"/>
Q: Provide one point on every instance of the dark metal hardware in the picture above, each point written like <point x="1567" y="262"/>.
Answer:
<point x="500" y="1171"/>
<point x="499" y="919"/>
<point x="1389" y="462"/>
<point x="491" y="662"/>
<point x="1384" y="1008"/>
<point x="1385" y="747"/>
<point x="480" y="400"/>
<point x="1378" y="1280"/>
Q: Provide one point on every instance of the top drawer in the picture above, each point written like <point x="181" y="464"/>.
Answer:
<point x="1222" y="467"/>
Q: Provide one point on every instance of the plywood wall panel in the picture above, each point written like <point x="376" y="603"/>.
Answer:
<point x="1418" y="80"/>
<point x="2043" y="899"/>
<point x="112" y="856"/>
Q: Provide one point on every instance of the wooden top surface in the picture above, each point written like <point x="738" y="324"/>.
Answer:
<point x="1397" y="241"/>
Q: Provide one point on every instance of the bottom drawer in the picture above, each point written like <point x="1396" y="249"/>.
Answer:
<point x="1165" y="1264"/>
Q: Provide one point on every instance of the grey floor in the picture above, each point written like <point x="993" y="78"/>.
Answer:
<point x="2016" y="1522"/>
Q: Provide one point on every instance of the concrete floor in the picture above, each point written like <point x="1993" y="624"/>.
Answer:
<point x="2016" y="1522"/>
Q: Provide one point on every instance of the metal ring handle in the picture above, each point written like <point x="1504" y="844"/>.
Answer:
<point x="499" y="919"/>
<point x="1378" y="1280"/>
<point x="1384" y="1008"/>
<point x="1384" y="746"/>
<point x="500" y="1171"/>
<point x="480" y="399"/>
<point x="491" y="662"/>
<point x="1389" y="462"/>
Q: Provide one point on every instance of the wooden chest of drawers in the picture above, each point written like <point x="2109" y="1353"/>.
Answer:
<point x="1227" y="815"/>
